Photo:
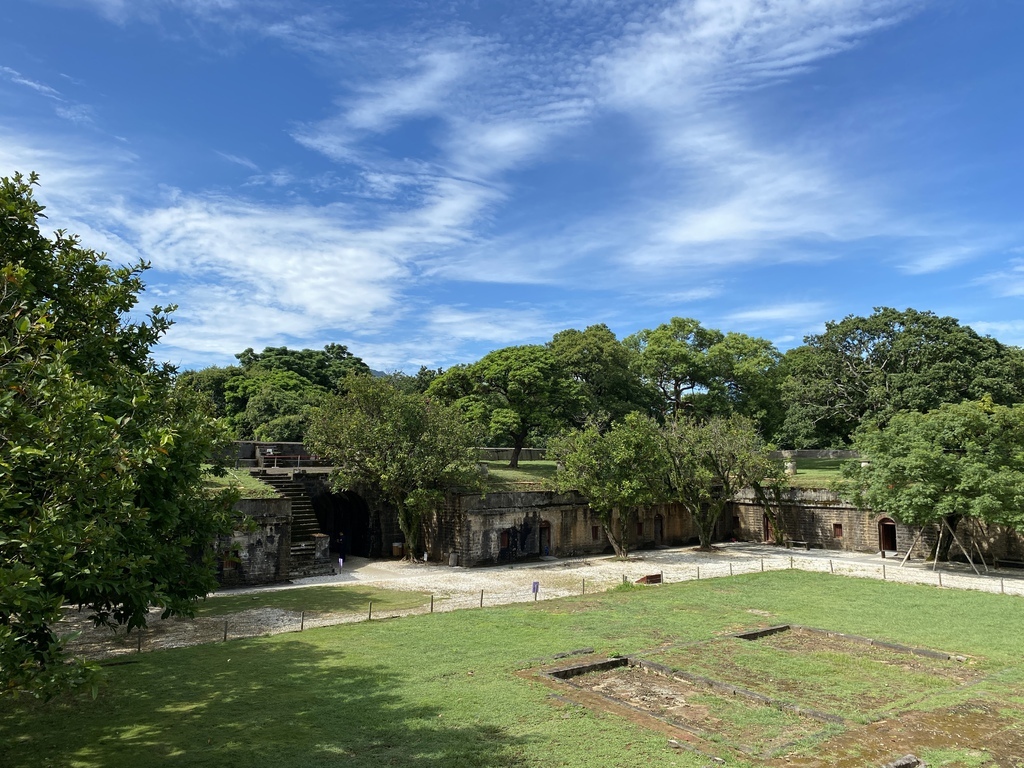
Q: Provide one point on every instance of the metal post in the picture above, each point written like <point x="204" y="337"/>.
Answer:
<point x="762" y="565"/>
<point x="940" y="578"/>
<point x="225" y="630"/>
<point x="369" y="616"/>
<point x="1001" y="590"/>
<point x="790" y="562"/>
<point x="698" y="573"/>
<point x="830" y="568"/>
<point x="431" y="603"/>
<point x="883" y="571"/>
<point x="139" y="647"/>
<point x="730" y="569"/>
<point x="481" y="598"/>
<point x="584" y="585"/>
<point x="302" y="621"/>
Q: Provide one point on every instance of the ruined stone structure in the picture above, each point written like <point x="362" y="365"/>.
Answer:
<point x="509" y="526"/>
<point x="259" y="553"/>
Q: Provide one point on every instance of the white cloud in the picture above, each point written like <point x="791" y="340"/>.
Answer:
<point x="239" y="160"/>
<point x="1007" y="282"/>
<point x="798" y="312"/>
<point x="499" y="325"/>
<point x="940" y="258"/>
<point x="16" y="77"/>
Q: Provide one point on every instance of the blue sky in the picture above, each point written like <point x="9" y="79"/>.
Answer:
<point x="427" y="181"/>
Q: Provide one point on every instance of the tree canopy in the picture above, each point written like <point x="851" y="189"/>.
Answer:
<point x="404" y="447"/>
<point x="102" y="502"/>
<point x="709" y="461"/>
<point x="703" y="372"/>
<point x="619" y="471"/>
<point x="512" y="392"/>
<point x="871" y="368"/>
<point x="962" y="460"/>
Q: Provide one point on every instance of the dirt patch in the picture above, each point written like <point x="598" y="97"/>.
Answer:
<point x="990" y="733"/>
<point x="717" y="719"/>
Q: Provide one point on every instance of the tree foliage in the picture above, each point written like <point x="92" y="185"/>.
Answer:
<point x="963" y="460"/>
<point x="709" y="461"/>
<point x="102" y="501"/>
<point x="871" y="368"/>
<point x="609" y="385"/>
<point x="512" y="392"/>
<point x="620" y="471"/>
<point x="269" y="394"/>
<point x="405" y="448"/>
<point x="702" y="372"/>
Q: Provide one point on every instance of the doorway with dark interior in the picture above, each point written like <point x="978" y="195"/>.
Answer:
<point x="886" y="535"/>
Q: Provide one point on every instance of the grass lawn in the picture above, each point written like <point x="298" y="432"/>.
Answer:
<point x="327" y="599"/>
<point x="455" y="690"/>
<point x="816" y="473"/>
<point x="530" y="476"/>
<point x="247" y="485"/>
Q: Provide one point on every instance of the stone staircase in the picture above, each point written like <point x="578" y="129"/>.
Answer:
<point x="304" y="525"/>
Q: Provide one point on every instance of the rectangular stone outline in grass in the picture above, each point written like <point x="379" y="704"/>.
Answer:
<point x="563" y="674"/>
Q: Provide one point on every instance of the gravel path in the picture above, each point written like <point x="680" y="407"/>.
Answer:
<point x="461" y="588"/>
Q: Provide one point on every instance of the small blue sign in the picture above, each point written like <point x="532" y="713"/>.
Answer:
<point x="536" y="587"/>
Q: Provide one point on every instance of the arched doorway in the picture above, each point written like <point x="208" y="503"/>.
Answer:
<point x="545" y="538"/>
<point x="345" y="517"/>
<point x="659" y="529"/>
<point x="886" y="535"/>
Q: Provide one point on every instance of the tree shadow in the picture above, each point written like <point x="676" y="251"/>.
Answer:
<point x="287" y="703"/>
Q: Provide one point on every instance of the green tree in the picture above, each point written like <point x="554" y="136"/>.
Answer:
<point x="702" y="372"/>
<point x="954" y="462"/>
<point x="102" y="501"/>
<point x="874" y="367"/>
<point x="709" y="461"/>
<point x="405" y="448"/>
<point x="512" y="392"/>
<point x="619" y="471"/>
<point x="602" y="367"/>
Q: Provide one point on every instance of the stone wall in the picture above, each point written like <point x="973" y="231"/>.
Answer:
<point x="510" y="526"/>
<point x="258" y="553"/>
<point x="812" y="515"/>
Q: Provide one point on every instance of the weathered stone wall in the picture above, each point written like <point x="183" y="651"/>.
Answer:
<point x="509" y="526"/>
<point x="259" y="555"/>
<point x="812" y="515"/>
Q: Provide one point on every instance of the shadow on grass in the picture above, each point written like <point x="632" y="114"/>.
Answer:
<point x="282" y="704"/>
<point x="326" y="599"/>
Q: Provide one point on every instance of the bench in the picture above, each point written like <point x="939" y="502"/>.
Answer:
<point x="999" y="561"/>
<point x="790" y="543"/>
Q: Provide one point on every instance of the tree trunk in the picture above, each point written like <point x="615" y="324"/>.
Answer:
<point x="706" y="520"/>
<point x="617" y="530"/>
<point x="947" y="541"/>
<point x="517" y="448"/>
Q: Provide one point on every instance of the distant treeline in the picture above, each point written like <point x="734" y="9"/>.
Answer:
<point x="813" y="396"/>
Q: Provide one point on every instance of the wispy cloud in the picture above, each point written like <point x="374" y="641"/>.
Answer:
<point x="798" y="312"/>
<point x="1006" y="282"/>
<point x="18" y="79"/>
<point x="940" y="258"/>
<point x="239" y="160"/>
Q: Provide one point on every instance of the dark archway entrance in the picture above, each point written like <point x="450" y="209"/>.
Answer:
<point x="886" y="535"/>
<point x="345" y="517"/>
<point x="545" y="538"/>
<point x="659" y="529"/>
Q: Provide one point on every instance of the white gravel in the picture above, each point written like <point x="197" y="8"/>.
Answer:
<point x="461" y="588"/>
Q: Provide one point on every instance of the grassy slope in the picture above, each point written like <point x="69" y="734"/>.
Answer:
<point x="442" y="691"/>
<point x="247" y="485"/>
<point x="531" y="475"/>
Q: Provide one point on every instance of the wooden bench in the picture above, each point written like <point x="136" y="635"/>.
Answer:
<point x="790" y="543"/>
<point x="999" y="561"/>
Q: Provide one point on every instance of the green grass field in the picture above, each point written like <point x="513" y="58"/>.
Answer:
<point x="816" y="473"/>
<point x="461" y="689"/>
<point x="530" y="476"/>
<point x="327" y="599"/>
